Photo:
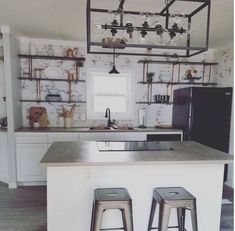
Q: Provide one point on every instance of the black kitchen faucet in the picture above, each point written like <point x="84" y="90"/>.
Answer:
<point x="108" y="115"/>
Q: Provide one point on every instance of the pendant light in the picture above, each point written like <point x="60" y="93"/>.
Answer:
<point x="114" y="70"/>
<point x="168" y="27"/>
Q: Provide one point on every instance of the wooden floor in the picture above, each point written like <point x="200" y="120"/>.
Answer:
<point x="24" y="209"/>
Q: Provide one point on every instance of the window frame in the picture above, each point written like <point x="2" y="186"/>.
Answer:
<point x="90" y="95"/>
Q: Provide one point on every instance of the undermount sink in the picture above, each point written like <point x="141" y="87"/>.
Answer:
<point x="101" y="128"/>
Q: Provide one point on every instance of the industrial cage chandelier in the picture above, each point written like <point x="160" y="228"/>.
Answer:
<point x="168" y="33"/>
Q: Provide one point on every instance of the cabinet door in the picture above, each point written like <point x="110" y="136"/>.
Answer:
<point x="62" y="137"/>
<point x="113" y="136"/>
<point x="164" y="137"/>
<point x="28" y="162"/>
<point x="2" y="77"/>
<point x="3" y="158"/>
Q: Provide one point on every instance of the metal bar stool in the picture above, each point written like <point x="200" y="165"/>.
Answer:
<point x="168" y="198"/>
<point x="111" y="198"/>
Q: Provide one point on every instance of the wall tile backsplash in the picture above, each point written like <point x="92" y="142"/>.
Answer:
<point x="224" y="72"/>
<point x="157" y="114"/>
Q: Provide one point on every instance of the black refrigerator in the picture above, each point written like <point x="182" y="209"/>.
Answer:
<point x="204" y="114"/>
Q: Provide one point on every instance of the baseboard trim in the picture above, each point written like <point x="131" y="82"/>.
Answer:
<point x="32" y="183"/>
<point x="12" y="185"/>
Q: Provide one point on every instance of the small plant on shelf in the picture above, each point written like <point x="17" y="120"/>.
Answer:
<point x="150" y="77"/>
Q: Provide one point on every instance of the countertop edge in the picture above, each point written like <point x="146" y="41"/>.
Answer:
<point x="84" y="164"/>
<point x="87" y="130"/>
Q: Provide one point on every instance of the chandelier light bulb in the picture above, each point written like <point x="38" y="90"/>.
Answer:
<point x="159" y="29"/>
<point x="141" y="29"/>
<point x="143" y="33"/>
<point x="177" y="17"/>
<point x="113" y="32"/>
<point x="129" y="29"/>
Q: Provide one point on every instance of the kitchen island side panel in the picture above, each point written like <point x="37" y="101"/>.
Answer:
<point x="70" y="193"/>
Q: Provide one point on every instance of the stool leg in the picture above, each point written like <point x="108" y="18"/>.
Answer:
<point x="152" y="212"/>
<point x="92" y="217"/>
<point x="98" y="218"/>
<point x="123" y="219"/>
<point x="194" y="216"/>
<point x="128" y="218"/>
<point x="164" y="215"/>
<point x="181" y="218"/>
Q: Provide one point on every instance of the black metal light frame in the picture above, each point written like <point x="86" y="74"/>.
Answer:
<point x="189" y="50"/>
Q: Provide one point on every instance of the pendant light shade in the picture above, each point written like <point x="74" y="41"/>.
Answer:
<point x="114" y="70"/>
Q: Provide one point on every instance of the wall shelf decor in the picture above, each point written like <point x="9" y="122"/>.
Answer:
<point x="179" y="83"/>
<point x="50" y="79"/>
<point x="191" y="81"/>
<point x="72" y="78"/>
<point x="50" y="101"/>
<point x="142" y="102"/>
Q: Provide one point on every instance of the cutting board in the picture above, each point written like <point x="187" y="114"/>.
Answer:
<point x="38" y="114"/>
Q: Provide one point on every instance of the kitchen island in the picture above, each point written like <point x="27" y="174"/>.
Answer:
<point x="75" y="169"/>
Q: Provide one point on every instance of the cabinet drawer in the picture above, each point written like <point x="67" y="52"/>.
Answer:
<point x="62" y="137"/>
<point x="31" y="139"/>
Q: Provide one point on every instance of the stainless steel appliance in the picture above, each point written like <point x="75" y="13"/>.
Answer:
<point x="204" y="114"/>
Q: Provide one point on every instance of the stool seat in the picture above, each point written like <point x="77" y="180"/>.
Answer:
<point x="172" y="194"/>
<point x="172" y="197"/>
<point x="111" y="198"/>
<point x="111" y="194"/>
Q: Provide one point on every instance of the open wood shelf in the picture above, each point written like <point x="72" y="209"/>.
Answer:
<point x="52" y="57"/>
<point x="178" y="83"/>
<point x="178" y="62"/>
<point x="50" y="79"/>
<point x="174" y="81"/>
<point x="46" y="101"/>
<point x="78" y="63"/>
<point x="153" y="103"/>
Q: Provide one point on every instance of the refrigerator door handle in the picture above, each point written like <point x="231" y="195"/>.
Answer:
<point x="190" y="121"/>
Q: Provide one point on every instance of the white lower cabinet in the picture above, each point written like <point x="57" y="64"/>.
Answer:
<point x="28" y="162"/>
<point x="3" y="157"/>
<point x="113" y="136"/>
<point x="31" y="147"/>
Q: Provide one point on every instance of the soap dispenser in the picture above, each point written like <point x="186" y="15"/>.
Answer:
<point x="142" y="118"/>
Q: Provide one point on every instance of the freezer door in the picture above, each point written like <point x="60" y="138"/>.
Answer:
<point x="181" y="116"/>
<point x="211" y="114"/>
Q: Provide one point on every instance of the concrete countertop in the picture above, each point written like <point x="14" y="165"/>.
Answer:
<point x="86" y="129"/>
<point x="3" y="129"/>
<point x="87" y="154"/>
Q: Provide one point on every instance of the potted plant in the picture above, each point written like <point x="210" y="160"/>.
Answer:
<point x="150" y="77"/>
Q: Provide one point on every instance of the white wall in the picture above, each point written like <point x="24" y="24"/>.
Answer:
<point x="156" y="114"/>
<point x="224" y="75"/>
<point x="13" y="91"/>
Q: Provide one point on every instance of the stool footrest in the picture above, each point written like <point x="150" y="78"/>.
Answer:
<point x="169" y="227"/>
<point x="113" y="228"/>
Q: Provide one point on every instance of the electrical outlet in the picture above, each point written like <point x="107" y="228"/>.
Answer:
<point x="83" y="117"/>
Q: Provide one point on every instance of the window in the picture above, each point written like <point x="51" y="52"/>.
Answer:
<point x="109" y="91"/>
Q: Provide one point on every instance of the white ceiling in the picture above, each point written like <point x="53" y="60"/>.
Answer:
<point x="66" y="19"/>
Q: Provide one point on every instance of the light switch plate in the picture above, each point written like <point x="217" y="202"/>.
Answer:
<point x="83" y="117"/>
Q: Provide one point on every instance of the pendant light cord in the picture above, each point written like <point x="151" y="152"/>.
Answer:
<point x="114" y="56"/>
